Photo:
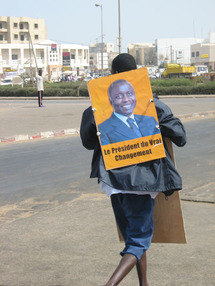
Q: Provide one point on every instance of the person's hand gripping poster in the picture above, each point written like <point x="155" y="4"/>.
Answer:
<point x="126" y="118"/>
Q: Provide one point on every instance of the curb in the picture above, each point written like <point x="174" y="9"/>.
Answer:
<point x="196" y="115"/>
<point x="66" y="132"/>
<point x="41" y="135"/>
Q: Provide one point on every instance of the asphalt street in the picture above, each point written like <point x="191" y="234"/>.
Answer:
<point x="43" y="169"/>
<point x="24" y="120"/>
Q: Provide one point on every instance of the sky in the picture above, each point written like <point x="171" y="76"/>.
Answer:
<point x="141" y="21"/>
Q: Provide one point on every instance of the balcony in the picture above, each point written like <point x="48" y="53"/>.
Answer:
<point x="3" y="30"/>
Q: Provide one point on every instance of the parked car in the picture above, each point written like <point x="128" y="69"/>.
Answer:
<point x="6" y="81"/>
<point x="88" y="78"/>
<point x="16" y="80"/>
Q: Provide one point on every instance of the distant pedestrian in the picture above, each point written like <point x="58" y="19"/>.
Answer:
<point x="40" y="88"/>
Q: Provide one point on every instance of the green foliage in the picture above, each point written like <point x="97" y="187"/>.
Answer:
<point x="194" y="88"/>
<point x="181" y="86"/>
<point x="172" y="82"/>
<point x="64" y="89"/>
<point x="17" y="91"/>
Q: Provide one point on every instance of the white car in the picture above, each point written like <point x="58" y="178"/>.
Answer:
<point x="6" y="82"/>
<point x="16" y="80"/>
<point x="88" y="78"/>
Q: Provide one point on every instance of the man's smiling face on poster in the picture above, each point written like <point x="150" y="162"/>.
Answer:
<point x="122" y="97"/>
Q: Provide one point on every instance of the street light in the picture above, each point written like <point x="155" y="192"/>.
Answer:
<point x="119" y="40"/>
<point x="98" y="5"/>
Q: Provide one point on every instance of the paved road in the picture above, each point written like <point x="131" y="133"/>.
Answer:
<point x="196" y="161"/>
<point x="23" y="117"/>
<point x="58" y="169"/>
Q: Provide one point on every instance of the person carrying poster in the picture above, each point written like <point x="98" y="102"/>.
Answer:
<point x="133" y="187"/>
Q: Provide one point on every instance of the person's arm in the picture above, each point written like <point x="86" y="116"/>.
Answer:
<point x="88" y="129"/>
<point x="170" y="126"/>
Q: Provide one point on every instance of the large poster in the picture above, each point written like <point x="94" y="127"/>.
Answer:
<point x="126" y="118"/>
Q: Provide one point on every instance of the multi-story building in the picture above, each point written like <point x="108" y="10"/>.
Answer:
<point x="97" y="47"/>
<point x="144" y="53"/>
<point x="79" y="57"/>
<point x="24" y="47"/>
<point x="204" y="53"/>
<point x="47" y="55"/>
<point x="95" y="51"/>
<point x="16" y="30"/>
<point x="175" y="50"/>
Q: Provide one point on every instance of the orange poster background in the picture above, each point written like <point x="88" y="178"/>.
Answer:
<point x="98" y="90"/>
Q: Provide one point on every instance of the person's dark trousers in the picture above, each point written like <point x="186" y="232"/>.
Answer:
<point x="134" y="216"/>
<point x="40" y="98"/>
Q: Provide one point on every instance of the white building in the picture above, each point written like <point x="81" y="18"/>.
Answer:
<point x="204" y="53"/>
<point x="175" y="50"/>
<point x="95" y="51"/>
<point x="46" y="55"/>
<point x="144" y="53"/>
<point x="24" y="47"/>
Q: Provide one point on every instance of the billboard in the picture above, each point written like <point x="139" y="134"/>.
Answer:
<point x="66" y="59"/>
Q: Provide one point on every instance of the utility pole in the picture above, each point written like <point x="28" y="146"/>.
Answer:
<point x="102" y="44"/>
<point x="30" y="42"/>
<point x="31" y="73"/>
<point x="31" y="47"/>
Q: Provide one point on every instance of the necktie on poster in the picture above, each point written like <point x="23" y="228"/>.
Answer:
<point x="134" y="127"/>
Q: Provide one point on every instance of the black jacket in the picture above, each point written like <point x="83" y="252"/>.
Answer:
<point x="156" y="176"/>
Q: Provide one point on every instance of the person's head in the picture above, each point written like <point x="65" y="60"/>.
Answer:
<point x="40" y="72"/>
<point x="123" y="62"/>
<point x="122" y="97"/>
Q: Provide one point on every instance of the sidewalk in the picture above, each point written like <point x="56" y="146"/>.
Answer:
<point x="76" y="244"/>
<point x="22" y="120"/>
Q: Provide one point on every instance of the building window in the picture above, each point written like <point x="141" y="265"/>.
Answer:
<point x="21" y="26"/>
<point x="36" y="26"/>
<point x="16" y="36"/>
<point x="179" y="54"/>
<point x="15" y="25"/>
<point x="14" y="57"/>
<point x="1" y="26"/>
<point x="1" y="38"/>
<point x="193" y="54"/>
<point x="73" y="57"/>
<point x="197" y="54"/>
<point x="36" y="37"/>
<point x="22" y="38"/>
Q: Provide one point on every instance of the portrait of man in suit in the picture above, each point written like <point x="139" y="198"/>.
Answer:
<point x="123" y="124"/>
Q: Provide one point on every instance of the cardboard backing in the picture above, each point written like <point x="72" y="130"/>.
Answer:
<point x="168" y="216"/>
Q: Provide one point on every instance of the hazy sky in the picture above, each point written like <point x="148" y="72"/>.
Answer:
<point x="79" y="21"/>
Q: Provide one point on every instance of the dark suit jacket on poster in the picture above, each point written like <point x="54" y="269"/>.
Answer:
<point x="113" y="130"/>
